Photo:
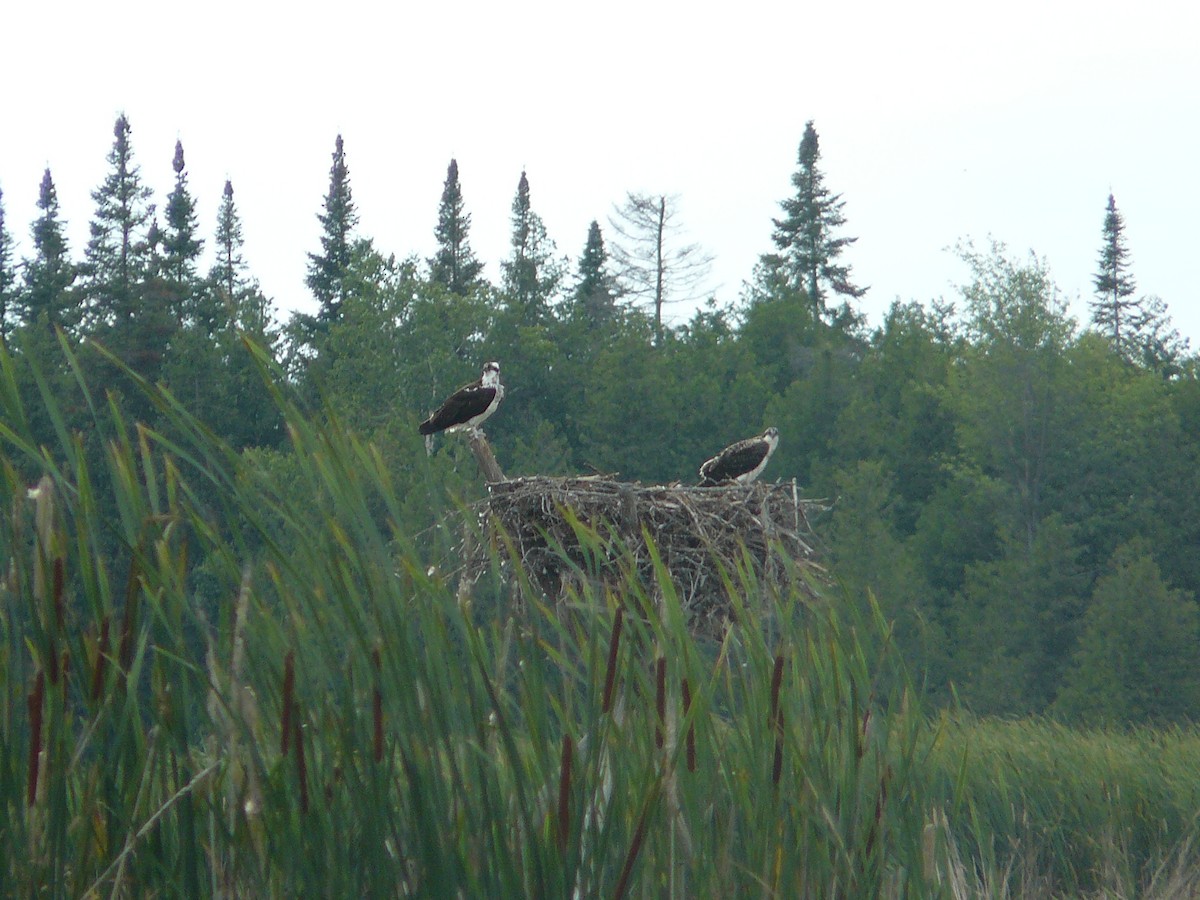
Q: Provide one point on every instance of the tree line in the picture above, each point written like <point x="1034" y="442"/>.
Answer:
<point x="1016" y="490"/>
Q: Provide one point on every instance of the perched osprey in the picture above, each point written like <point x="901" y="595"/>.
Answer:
<point x="469" y="405"/>
<point x="741" y="462"/>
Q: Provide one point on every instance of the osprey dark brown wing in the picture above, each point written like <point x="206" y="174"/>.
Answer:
<point x="470" y="404"/>
<point x="741" y="462"/>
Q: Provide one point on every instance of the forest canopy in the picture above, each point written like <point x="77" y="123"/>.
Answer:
<point x="1017" y="489"/>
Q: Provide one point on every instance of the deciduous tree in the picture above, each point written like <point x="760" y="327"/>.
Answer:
<point x="1139" y="656"/>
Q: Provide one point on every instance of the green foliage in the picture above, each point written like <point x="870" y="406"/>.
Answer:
<point x="596" y="292"/>
<point x="340" y="725"/>
<point x="1016" y="621"/>
<point x="242" y="674"/>
<point x="806" y="237"/>
<point x="1014" y="398"/>
<point x="181" y="252"/>
<point x="983" y="463"/>
<point x="454" y="266"/>
<point x="117" y="256"/>
<point x="47" y="300"/>
<point x="1051" y="811"/>
<point x="327" y="269"/>
<point x="8" y="275"/>
<point x="1138" y="658"/>
<point x="1138" y="328"/>
<point x="531" y="274"/>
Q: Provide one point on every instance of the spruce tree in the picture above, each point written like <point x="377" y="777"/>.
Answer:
<point x="233" y="289"/>
<point x="181" y="251"/>
<point x="595" y="294"/>
<point x="47" y="294"/>
<point x="227" y="272"/>
<point x="806" y="237"/>
<point x="8" y="276"/>
<point x="1139" y="328"/>
<point x="1115" y="311"/>
<point x="251" y="417"/>
<point x="454" y="266"/>
<point x="531" y="275"/>
<point x="327" y="269"/>
<point x="115" y="261"/>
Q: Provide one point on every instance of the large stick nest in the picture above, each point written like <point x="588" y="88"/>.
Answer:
<point x="699" y="533"/>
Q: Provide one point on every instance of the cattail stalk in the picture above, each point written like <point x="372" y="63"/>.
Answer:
<point x="377" y="707"/>
<point x="614" y="644"/>
<point x="125" y="652"/>
<point x="285" y="713"/>
<point x="691" y="732"/>
<point x="635" y="847"/>
<point x="660" y="699"/>
<point x="564" y="794"/>
<point x="777" y="719"/>
<point x="59" y="579"/>
<point x="301" y="769"/>
<point x="35" y="734"/>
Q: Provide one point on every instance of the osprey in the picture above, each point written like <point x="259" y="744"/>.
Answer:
<point x="469" y="405"/>
<point x="741" y="462"/>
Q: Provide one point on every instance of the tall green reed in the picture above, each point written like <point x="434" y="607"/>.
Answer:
<point x="253" y="681"/>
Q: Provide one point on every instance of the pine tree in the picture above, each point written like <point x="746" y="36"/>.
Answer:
<point x="8" y="276"/>
<point x="50" y="273"/>
<point x="327" y="269"/>
<point x="115" y="261"/>
<point x="454" y="266"/>
<point x="181" y="251"/>
<point x="595" y="294"/>
<point x="531" y="276"/>
<point x="806" y="236"/>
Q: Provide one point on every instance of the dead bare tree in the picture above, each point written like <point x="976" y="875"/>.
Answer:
<point x="651" y="261"/>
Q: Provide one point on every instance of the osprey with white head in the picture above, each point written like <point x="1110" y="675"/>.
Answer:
<point x="470" y="405"/>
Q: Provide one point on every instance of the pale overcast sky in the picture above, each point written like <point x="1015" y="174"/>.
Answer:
<point x="938" y="121"/>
